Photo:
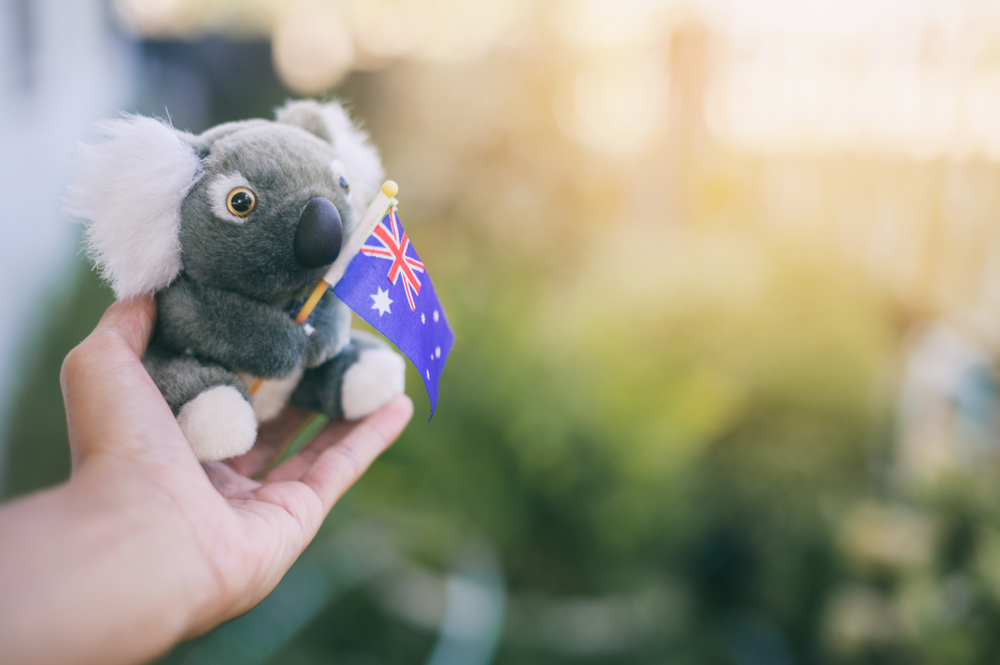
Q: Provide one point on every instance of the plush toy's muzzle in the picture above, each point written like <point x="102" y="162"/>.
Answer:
<point x="319" y="234"/>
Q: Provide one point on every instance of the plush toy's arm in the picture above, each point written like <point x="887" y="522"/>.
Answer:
<point x="330" y="323"/>
<point x="237" y="332"/>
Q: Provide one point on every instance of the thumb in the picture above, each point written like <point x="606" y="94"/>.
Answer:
<point x="111" y="402"/>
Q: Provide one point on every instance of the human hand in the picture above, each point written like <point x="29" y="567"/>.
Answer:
<point x="145" y="546"/>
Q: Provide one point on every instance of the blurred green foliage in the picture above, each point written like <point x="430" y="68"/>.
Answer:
<point x="37" y="450"/>
<point x="648" y="394"/>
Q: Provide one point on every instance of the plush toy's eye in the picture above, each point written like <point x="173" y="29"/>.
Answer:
<point x="241" y="201"/>
<point x="346" y="185"/>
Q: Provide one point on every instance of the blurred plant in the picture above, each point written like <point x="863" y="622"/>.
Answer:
<point x="670" y="408"/>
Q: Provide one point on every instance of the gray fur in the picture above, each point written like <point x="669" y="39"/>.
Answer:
<point x="230" y="310"/>
<point x="303" y="114"/>
<point x="181" y="378"/>
<point x="286" y="166"/>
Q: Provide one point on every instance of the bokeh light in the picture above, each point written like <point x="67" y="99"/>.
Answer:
<point x="725" y="276"/>
<point x="918" y="79"/>
<point x="313" y="49"/>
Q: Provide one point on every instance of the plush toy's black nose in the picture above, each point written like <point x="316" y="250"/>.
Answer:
<point x="320" y="232"/>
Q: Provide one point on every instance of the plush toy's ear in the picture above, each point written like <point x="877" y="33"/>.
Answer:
<point x="129" y="189"/>
<point x="330" y="122"/>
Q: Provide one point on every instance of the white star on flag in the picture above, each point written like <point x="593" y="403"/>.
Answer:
<point x="382" y="301"/>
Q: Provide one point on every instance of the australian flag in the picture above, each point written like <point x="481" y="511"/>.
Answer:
<point x="387" y="285"/>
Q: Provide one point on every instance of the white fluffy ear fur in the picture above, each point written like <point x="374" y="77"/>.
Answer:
<point x="362" y="165"/>
<point x="129" y="189"/>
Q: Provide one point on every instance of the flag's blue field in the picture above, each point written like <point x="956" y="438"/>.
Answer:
<point x="388" y="286"/>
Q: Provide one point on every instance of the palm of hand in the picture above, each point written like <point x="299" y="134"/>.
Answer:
<point x="229" y="538"/>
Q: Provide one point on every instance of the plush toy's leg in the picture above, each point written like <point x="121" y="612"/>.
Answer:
<point x="355" y="382"/>
<point x="212" y="404"/>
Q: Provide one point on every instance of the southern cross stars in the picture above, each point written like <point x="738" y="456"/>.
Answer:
<point x="382" y="301"/>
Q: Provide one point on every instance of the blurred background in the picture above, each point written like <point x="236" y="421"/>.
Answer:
<point x="725" y="277"/>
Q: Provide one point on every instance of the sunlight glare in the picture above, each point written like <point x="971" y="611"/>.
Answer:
<point x="313" y="49"/>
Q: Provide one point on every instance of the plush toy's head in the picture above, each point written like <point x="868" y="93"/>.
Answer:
<point x="255" y="207"/>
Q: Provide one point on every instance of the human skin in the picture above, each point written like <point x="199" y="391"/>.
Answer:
<point x="144" y="546"/>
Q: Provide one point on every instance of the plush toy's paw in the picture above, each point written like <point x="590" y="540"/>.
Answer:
<point x="218" y="424"/>
<point x="377" y="377"/>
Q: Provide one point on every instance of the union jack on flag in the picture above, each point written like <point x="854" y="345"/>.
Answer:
<point x="421" y="330"/>
<point x="391" y="243"/>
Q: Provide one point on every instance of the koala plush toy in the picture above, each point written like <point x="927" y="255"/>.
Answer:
<point x="232" y="229"/>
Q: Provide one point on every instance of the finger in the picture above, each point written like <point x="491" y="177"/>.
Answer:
<point x="110" y="399"/>
<point x="339" y="467"/>
<point x="131" y="322"/>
